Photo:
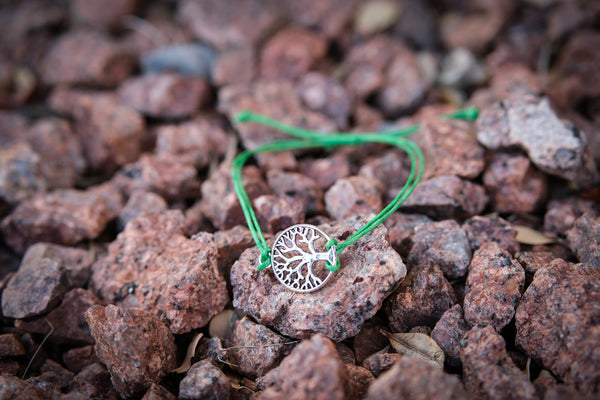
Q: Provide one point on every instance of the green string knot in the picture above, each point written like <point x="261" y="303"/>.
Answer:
<point x="243" y="116"/>
<point x="265" y="259"/>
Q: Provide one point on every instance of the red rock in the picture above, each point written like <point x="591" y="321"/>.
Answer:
<point x="64" y="216"/>
<point x="532" y="261"/>
<point x="66" y="322"/>
<point x="140" y="202"/>
<point x="556" y="323"/>
<point x="254" y="349"/>
<point x="481" y="229"/>
<point x="323" y="94"/>
<point x="298" y="186"/>
<point x="423" y="296"/>
<point x="493" y="288"/>
<point x="10" y="346"/>
<point x="111" y="133"/>
<point x="514" y="80"/>
<point x="221" y="204"/>
<point x="157" y="392"/>
<point x="152" y="266"/>
<point x="165" y="95"/>
<point x="488" y="371"/>
<point x="203" y="381"/>
<point x="21" y="173"/>
<point x="278" y="213"/>
<point x="359" y="380"/>
<point x="401" y="229"/>
<point x="346" y="354"/>
<point x="552" y="145"/>
<point x="86" y="57"/>
<point x="136" y="347"/>
<point x="414" y="378"/>
<point x="584" y="240"/>
<point x="164" y="175"/>
<point x="389" y="170"/>
<point x="234" y="66"/>
<point x="370" y="269"/>
<point x="9" y="366"/>
<point x="291" y="53"/>
<point x="196" y="220"/>
<point x="326" y="171"/>
<point x="196" y="142"/>
<point x="369" y="340"/>
<point x="444" y="244"/>
<point x="101" y="13"/>
<point x="379" y="363"/>
<point x="80" y="357"/>
<point x="351" y="196"/>
<point x="561" y="214"/>
<point x="328" y="16"/>
<point x="313" y="370"/>
<point x="235" y="24"/>
<point x="53" y="378"/>
<point x="448" y="332"/>
<point x="445" y="197"/>
<point x="12" y="387"/>
<point x="93" y="382"/>
<point x="230" y="245"/>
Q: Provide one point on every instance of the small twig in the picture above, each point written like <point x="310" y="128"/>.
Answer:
<point x="38" y="348"/>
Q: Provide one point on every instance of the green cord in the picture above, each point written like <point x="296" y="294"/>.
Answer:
<point x="311" y="139"/>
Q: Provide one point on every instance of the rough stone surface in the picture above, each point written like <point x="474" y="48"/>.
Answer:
<point x="298" y="186"/>
<point x="234" y="66"/>
<point x="369" y="340"/>
<point x="554" y="146"/>
<point x="445" y="197"/>
<point x="557" y="323"/>
<point x="495" y="229"/>
<point x="561" y="214"/>
<point x="323" y="94"/>
<point x="11" y="346"/>
<point x="448" y="332"/>
<point x="204" y="381"/>
<point x="488" y="371"/>
<point x="326" y="171"/>
<point x="389" y="170"/>
<point x="12" y="387"/>
<point x="493" y="288"/>
<point x="584" y="240"/>
<point x="379" y="363"/>
<point x="66" y="321"/>
<point x="46" y="273"/>
<point x="370" y="270"/>
<point x="254" y="349"/>
<point x="513" y="184"/>
<point x="442" y="243"/>
<point x="276" y="213"/>
<point x="313" y="370"/>
<point x="165" y="95"/>
<point x="401" y="229"/>
<point x="80" y="357"/>
<point x="64" y="216"/>
<point x="111" y="133"/>
<point x="423" y="296"/>
<point x="356" y="195"/>
<point x="21" y="173"/>
<point x="164" y="175"/>
<point x="86" y="57"/>
<point x="359" y="379"/>
<point x="158" y="392"/>
<point x="230" y="245"/>
<point x="154" y="267"/>
<point x="103" y="14"/>
<point x="93" y="382"/>
<point x="136" y="347"/>
<point x="140" y="202"/>
<point x="291" y="53"/>
<point x="533" y="261"/>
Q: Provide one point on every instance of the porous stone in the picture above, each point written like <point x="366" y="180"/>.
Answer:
<point x="276" y="213"/>
<point x="63" y="216"/>
<point x="553" y="145"/>
<point x="584" y="240"/>
<point x="165" y="95"/>
<point x="21" y="173"/>
<point x="152" y="266"/>
<point x="136" y="347"/>
<point x="446" y="196"/>
<point x="111" y="133"/>
<point x="441" y="243"/>
<point x="448" y="332"/>
<point x="326" y="171"/>
<point x="561" y="214"/>
<point x="254" y="349"/>
<point x="11" y="346"/>
<point x="356" y="195"/>
<point x="165" y="175"/>
<point x="298" y="186"/>
<point x="323" y="94"/>
<point x="140" y="202"/>
<point x="86" y="57"/>
<point x="379" y="363"/>
<point x="291" y="52"/>
<point x="493" y="288"/>
<point x="12" y="387"/>
<point x="414" y="378"/>
<point x="423" y="296"/>
<point x="488" y="371"/>
<point x="513" y="184"/>
<point x="370" y="270"/>
<point x="495" y="229"/>
<point x="94" y="381"/>
<point x="556" y="323"/>
<point x="46" y="273"/>
<point x="313" y="370"/>
<point x="203" y="381"/>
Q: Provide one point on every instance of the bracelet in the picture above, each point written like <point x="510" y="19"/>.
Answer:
<point x="303" y="257"/>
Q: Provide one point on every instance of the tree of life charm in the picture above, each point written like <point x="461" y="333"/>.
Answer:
<point x="299" y="257"/>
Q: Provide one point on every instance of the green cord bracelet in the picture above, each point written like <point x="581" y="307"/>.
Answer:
<point x="294" y="257"/>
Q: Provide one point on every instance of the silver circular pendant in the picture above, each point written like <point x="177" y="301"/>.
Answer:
<point x="299" y="257"/>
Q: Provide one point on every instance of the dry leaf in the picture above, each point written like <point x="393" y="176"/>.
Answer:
<point x="526" y="235"/>
<point x="222" y="323"/>
<point x="191" y="350"/>
<point x="418" y="345"/>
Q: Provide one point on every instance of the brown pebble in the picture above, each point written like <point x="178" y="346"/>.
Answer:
<point x="389" y="170"/>
<point x="493" y="288"/>
<point x="557" y="326"/>
<point x="136" y="347"/>
<point x="473" y="31"/>
<point x="533" y="261"/>
<point x="448" y="332"/>
<point x="351" y="196"/>
<point x="379" y="363"/>
<point x="231" y="244"/>
<point x="495" y="229"/>
<point x="204" y="381"/>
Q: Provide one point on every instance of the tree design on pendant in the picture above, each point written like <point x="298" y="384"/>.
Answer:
<point x="297" y="263"/>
